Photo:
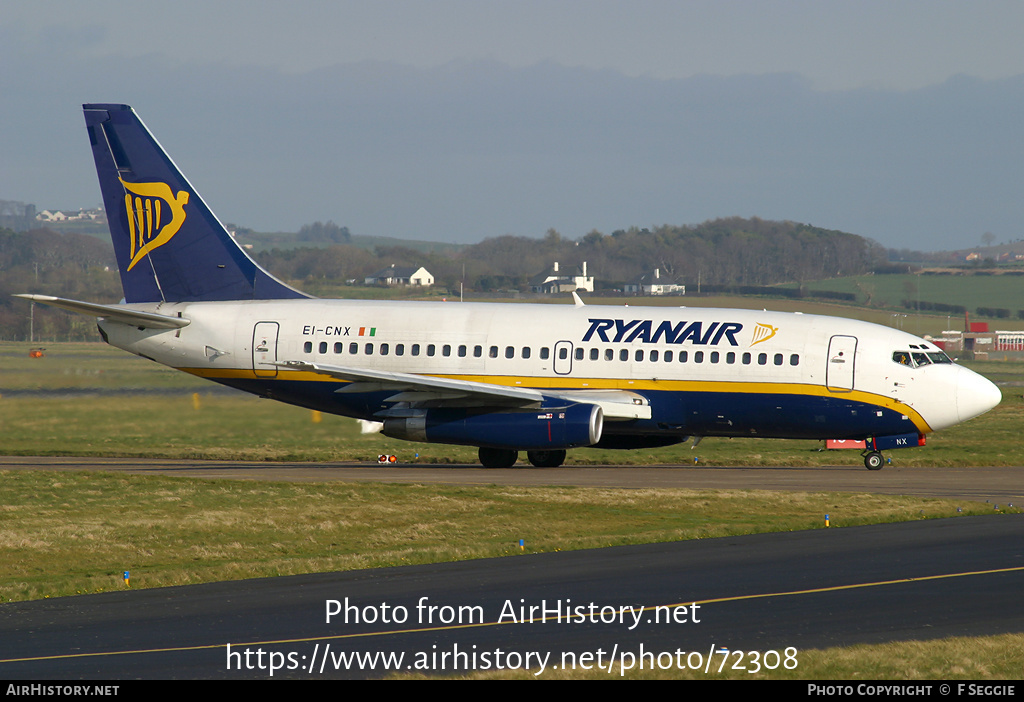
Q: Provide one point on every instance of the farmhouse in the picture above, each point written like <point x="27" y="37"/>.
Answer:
<point x="555" y="281"/>
<point x="654" y="284"/>
<point x="401" y="275"/>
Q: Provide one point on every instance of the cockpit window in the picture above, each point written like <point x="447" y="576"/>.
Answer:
<point x="916" y="359"/>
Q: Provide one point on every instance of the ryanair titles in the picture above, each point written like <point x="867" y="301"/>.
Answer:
<point x="619" y="330"/>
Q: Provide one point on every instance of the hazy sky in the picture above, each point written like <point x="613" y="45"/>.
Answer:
<point x="837" y="44"/>
<point x="214" y="79"/>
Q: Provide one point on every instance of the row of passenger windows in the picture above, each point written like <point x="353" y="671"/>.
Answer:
<point x="594" y="354"/>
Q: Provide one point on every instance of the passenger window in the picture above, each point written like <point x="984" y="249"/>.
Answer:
<point x="368" y="349"/>
<point x="478" y="351"/>
<point x="654" y="355"/>
<point x="510" y="352"/>
<point x="639" y="355"/>
<point x="668" y="356"/>
<point x="399" y="349"/>
<point x="778" y="359"/>
<point x="579" y="354"/>
<point x="526" y="352"/>
<point x="746" y="359"/>
<point x="623" y="354"/>
<point x="446" y="350"/>
<point x="431" y="350"/>
<point x="323" y="347"/>
<point x="794" y="360"/>
<point x="698" y="357"/>
<point x="308" y="347"/>
<point x="384" y="348"/>
<point x="563" y="353"/>
<point x="762" y="359"/>
<point x="594" y="353"/>
<point x="353" y="348"/>
<point x="683" y="355"/>
<point x="714" y="357"/>
<point x="338" y="347"/>
<point x="462" y="350"/>
<point x="415" y="349"/>
<point x="545" y="353"/>
<point x="493" y="352"/>
<point x="730" y="357"/>
<point x="609" y="354"/>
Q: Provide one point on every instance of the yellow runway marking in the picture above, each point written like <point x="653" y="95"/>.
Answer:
<point x="455" y="627"/>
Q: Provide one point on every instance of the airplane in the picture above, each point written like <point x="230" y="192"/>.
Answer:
<point x="502" y="377"/>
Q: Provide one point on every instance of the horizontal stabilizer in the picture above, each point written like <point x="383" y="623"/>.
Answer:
<point x="115" y="313"/>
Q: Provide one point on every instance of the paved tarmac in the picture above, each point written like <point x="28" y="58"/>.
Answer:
<point x="995" y="484"/>
<point x="773" y="594"/>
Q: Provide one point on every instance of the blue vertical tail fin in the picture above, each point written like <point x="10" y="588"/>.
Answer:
<point x="170" y="247"/>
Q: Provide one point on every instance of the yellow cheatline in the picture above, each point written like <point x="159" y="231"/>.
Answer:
<point x="727" y="386"/>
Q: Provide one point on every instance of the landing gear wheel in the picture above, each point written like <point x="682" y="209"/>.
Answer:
<point x="498" y="458"/>
<point x="546" y="459"/>
<point x="874" y="461"/>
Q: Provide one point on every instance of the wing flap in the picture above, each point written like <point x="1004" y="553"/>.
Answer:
<point x="617" y="405"/>
<point x="414" y="388"/>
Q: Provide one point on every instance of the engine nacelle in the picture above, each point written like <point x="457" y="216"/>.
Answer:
<point x="521" y="430"/>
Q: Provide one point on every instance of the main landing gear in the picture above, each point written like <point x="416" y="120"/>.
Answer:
<point x="546" y="459"/>
<point x="873" y="460"/>
<point x="506" y="458"/>
<point x="498" y="458"/>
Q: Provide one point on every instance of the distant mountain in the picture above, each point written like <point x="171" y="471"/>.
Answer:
<point x="473" y="150"/>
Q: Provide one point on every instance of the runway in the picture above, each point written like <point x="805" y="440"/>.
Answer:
<point x="672" y="604"/>
<point x="996" y="484"/>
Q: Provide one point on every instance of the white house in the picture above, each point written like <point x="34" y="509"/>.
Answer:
<point x="401" y="275"/>
<point x="654" y="284"/>
<point x="554" y="280"/>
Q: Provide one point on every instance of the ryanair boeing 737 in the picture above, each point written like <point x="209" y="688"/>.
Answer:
<point x="503" y="377"/>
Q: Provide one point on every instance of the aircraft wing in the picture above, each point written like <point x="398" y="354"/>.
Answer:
<point x="116" y="313"/>
<point x="412" y="387"/>
<point x="415" y="388"/>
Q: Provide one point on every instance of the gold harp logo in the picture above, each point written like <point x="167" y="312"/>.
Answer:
<point x="763" y="332"/>
<point x="145" y="204"/>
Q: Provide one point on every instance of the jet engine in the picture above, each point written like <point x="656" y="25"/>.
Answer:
<point x="527" y="429"/>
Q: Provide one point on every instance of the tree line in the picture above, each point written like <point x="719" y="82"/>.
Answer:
<point x="729" y="253"/>
<point x="732" y="251"/>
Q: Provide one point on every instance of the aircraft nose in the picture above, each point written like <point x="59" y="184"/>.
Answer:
<point x="974" y="394"/>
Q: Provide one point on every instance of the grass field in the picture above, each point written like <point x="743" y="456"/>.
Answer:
<point x="971" y="291"/>
<point x="64" y="533"/>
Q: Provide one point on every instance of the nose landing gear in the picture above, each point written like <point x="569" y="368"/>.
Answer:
<point x="873" y="460"/>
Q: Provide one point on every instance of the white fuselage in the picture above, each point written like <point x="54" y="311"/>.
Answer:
<point x="705" y="371"/>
